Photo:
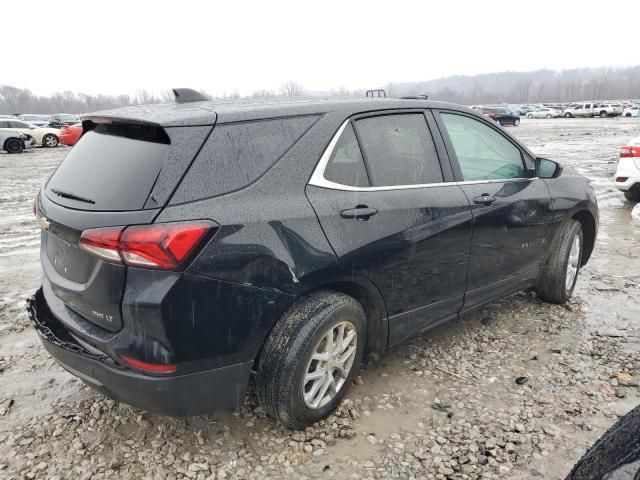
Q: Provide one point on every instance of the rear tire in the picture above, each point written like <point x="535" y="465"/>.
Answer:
<point x="13" y="145"/>
<point x="516" y="122"/>
<point x="568" y="115"/>
<point x="50" y="140"/>
<point x="603" y="114"/>
<point x="559" y="276"/>
<point x="632" y="195"/>
<point x="548" y="115"/>
<point x="298" y="350"/>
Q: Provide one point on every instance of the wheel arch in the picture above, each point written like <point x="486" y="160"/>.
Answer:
<point x="366" y="294"/>
<point x="374" y="308"/>
<point x="589" y="229"/>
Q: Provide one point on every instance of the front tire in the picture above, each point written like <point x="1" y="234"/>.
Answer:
<point x="560" y="274"/>
<point x="13" y="145"/>
<point x="548" y="115"/>
<point x="310" y="358"/>
<point x="50" y="140"/>
<point x="568" y="115"/>
<point x="529" y="115"/>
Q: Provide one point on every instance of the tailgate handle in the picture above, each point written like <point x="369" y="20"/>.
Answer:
<point x="484" y="199"/>
<point x="361" y="212"/>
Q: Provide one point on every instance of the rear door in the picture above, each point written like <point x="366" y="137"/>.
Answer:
<point x="381" y="195"/>
<point x="510" y="206"/>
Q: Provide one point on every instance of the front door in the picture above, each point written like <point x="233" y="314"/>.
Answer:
<point x="380" y="195"/>
<point x="510" y="207"/>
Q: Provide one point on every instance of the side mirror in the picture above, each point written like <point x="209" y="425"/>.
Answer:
<point x="547" y="168"/>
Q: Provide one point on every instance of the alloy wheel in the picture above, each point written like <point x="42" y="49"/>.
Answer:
<point x="573" y="263"/>
<point x="330" y="364"/>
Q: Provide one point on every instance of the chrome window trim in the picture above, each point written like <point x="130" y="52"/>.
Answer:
<point x="318" y="180"/>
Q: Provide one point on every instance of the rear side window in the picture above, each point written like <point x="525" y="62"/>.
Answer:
<point x="346" y="165"/>
<point x="237" y="154"/>
<point x="399" y="150"/>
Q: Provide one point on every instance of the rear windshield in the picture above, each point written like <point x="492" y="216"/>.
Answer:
<point x="112" y="167"/>
<point x="237" y="154"/>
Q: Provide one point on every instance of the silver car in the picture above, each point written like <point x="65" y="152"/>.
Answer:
<point x="15" y="142"/>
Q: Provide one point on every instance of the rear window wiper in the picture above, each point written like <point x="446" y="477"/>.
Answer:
<point x="72" y="196"/>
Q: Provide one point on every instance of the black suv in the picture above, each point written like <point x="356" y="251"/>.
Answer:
<point x="188" y="246"/>
<point x="503" y="116"/>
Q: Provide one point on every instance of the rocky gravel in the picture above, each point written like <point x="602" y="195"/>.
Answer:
<point x="519" y="389"/>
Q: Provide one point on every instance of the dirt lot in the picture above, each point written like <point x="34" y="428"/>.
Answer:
<point x="446" y="405"/>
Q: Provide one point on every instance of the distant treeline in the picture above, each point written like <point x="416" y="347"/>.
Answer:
<point x="15" y="100"/>
<point x="505" y="87"/>
<point x="529" y="87"/>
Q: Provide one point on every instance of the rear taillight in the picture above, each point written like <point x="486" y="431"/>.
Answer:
<point x="163" y="246"/>
<point x="149" y="367"/>
<point x="629" y="151"/>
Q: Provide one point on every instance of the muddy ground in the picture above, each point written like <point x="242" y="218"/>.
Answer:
<point x="445" y="405"/>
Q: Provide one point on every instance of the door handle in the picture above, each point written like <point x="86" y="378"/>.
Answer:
<point x="361" y="212"/>
<point x="484" y="199"/>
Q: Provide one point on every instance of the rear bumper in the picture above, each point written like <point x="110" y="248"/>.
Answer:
<point x="627" y="169"/>
<point x="179" y="395"/>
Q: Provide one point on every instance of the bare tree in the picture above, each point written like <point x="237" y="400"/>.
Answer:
<point x="291" y="89"/>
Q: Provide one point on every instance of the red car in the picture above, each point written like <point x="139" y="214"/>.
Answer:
<point x="70" y="135"/>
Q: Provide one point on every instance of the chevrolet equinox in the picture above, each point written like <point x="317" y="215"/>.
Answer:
<point x="189" y="246"/>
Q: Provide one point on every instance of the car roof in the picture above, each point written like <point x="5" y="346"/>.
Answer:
<point x="206" y="112"/>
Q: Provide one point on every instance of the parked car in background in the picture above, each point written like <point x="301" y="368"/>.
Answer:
<point x="633" y="111"/>
<point x="15" y="142"/>
<point x="544" y="113"/>
<point x="70" y="135"/>
<point x="60" y="119"/>
<point x="579" y="110"/>
<point x="628" y="171"/>
<point x="186" y="248"/>
<point x="515" y="109"/>
<point x="524" y="109"/>
<point x="607" y="110"/>
<point x="503" y="116"/>
<point x="47" y="137"/>
<point x="37" y="120"/>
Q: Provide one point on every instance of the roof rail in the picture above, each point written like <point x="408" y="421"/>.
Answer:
<point x="415" y="97"/>
<point x="188" y="95"/>
<point x="378" y="92"/>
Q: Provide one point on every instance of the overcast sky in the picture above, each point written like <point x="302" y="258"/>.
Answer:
<point x="220" y="46"/>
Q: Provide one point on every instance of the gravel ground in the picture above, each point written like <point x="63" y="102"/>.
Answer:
<point x="517" y="390"/>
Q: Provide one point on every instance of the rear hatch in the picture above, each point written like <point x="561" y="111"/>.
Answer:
<point x="119" y="173"/>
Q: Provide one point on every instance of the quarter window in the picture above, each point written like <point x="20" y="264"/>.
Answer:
<point x="346" y="165"/>
<point x="483" y="153"/>
<point x="398" y="150"/>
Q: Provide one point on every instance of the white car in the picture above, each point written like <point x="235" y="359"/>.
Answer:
<point x="35" y="119"/>
<point x="628" y="172"/>
<point x="633" y="111"/>
<point x="544" y="113"/>
<point x="47" y="137"/>
<point x="15" y="142"/>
